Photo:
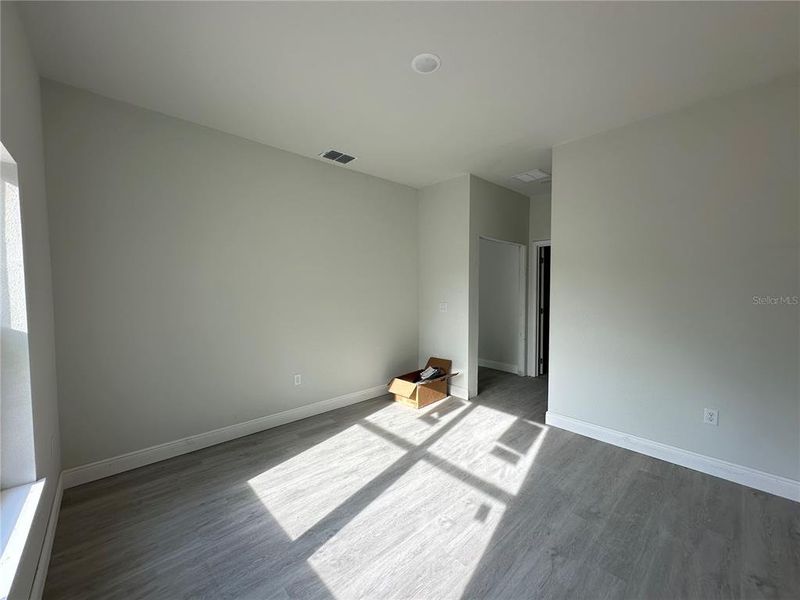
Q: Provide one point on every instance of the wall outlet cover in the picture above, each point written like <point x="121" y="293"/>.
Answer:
<point x="710" y="416"/>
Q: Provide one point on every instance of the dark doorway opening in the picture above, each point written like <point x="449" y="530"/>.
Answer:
<point x="543" y="311"/>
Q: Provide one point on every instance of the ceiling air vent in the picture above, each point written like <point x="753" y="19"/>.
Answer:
<point x="337" y="156"/>
<point x="533" y="175"/>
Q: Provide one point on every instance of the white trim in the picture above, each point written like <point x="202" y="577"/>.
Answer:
<point x="18" y="508"/>
<point x="146" y="456"/>
<point x="760" y="480"/>
<point x="37" y="589"/>
<point x="499" y="241"/>
<point x="533" y="306"/>
<point x="532" y="341"/>
<point x="522" y="284"/>
<point x="500" y="366"/>
<point x="459" y="392"/>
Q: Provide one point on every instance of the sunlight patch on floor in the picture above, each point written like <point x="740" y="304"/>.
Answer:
<point x="414" y="480"/>
<point x="492" y="445"/>
<point x="386" y="546"/>
<point x="302" y="490"/>
<point x="415" y="426"/>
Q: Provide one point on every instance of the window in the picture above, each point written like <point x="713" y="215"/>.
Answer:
<point x="16" y="424"/>
<point x="19" y="492"/>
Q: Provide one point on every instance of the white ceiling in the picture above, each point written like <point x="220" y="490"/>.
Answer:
<point x="516" y="78"/>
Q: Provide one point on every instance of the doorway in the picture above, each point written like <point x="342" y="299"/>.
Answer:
<point x="502" y="313"/>
<point x="539" y="317"/>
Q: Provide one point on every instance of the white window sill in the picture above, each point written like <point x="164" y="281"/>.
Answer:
<point x="17" y="508"/>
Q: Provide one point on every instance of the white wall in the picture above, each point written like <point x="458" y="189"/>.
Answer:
<point x="21" y="133"/>
<point x="444" y="275"/>
<point x="663" y="232"/>
<point x="498" y="213"/>
<point x="196" y="272"/>
<point x="539" y="224"/>
<point x="500" y="319"/>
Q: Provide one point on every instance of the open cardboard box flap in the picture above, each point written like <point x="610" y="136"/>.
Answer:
<point x="402" y="386"/>
<point x="440" y="363"/>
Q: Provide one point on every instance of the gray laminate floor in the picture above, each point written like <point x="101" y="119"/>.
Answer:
<point x="460" y="500"/>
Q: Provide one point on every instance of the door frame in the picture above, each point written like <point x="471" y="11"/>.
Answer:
<point x="522" y="338"/>
<point x="533" y="305"/>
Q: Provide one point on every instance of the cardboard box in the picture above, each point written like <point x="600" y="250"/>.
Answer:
<point x="409" y="390"/>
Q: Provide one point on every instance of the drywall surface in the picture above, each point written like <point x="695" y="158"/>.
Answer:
<point x="21" y="133"/>
<point x="668" y="235"/>
<point x="443" y="275"/>
<point x="500" y="321"/>
<point x="195" y="273"/>
<point x="498" y="213"/>
<point x="539" y="227"/>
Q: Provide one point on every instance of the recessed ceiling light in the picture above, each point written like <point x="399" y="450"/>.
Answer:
<point x="426" y="63"/>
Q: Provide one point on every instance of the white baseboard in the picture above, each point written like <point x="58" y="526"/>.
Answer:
<point x="37" y="589"/>
<point x="766" y="482"/>
<point x="500" y="366"/>
<point x="459" y="392"/>
<point x="139" y="458"/>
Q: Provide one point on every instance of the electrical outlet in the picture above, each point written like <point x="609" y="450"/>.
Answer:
<point x="710" y="416"/>
<point x="298" y="379"/>
<point x="442" y="306"/>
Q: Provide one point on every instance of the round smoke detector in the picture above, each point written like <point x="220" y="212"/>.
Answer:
<point x="426" y="63"/>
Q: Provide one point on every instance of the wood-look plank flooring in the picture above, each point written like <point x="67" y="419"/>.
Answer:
<point x="458" y="500"/>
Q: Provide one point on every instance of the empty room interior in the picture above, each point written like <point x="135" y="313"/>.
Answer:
<point x="408" y="300"/>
